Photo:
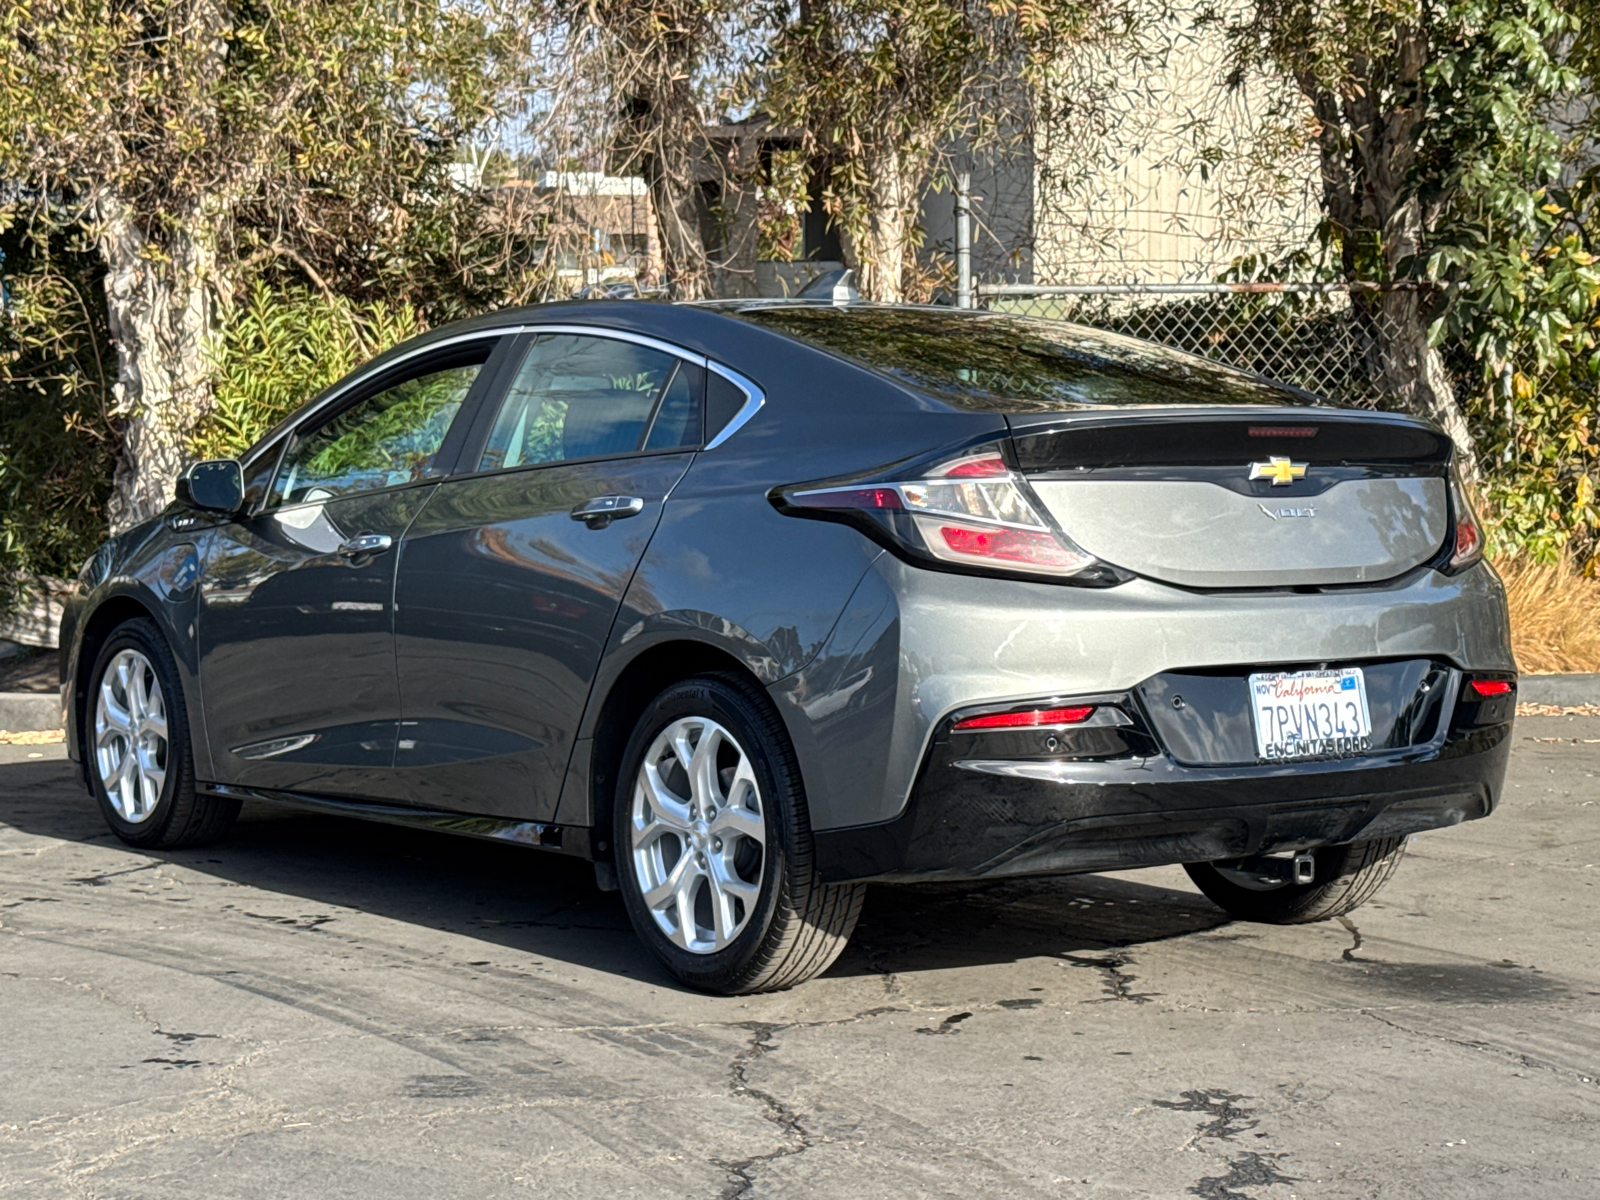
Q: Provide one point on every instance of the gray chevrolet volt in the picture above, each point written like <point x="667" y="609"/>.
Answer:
<point x="752" y="603"/>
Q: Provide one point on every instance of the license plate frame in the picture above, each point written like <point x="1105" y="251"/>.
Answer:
<point x="1300" y="715"/>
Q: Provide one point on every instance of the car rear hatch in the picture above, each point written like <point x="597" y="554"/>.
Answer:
<point x="1231" y="498"/>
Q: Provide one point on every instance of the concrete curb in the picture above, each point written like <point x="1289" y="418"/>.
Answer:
<point x="22" y="712"/>
<point x="1570" y="690"/>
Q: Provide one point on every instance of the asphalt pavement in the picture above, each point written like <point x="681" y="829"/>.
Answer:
<point x="321" y="1008"/>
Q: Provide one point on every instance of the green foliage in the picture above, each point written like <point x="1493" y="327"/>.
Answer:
<point x="784" y="198"/>
<point x="57" y="447"/>
<point x="278" y="350"/>
<point x="201" y="144"/>
<point x="387" y="440"/>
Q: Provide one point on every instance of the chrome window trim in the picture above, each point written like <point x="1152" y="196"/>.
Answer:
<point x="754" y="398"/>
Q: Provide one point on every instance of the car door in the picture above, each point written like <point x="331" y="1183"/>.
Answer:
<point x="511" y="577"/>
<point x="295" y="622"/>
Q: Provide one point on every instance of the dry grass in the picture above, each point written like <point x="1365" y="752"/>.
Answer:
<point x="1555" y="616"/>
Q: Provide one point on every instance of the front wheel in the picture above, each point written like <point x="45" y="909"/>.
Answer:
<point x="1346" y="878"/>
<point x="136" y="745"/>
<point x="713" y="844"/>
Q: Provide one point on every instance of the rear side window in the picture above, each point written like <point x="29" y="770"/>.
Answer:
<point x="391" y="438"/>
<point x="577" y="396"/>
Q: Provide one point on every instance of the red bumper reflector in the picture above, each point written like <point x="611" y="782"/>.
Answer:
<point x="1034" y="547"/>
<point x="1490" y="687"/>
<point x="1030" y="719"/>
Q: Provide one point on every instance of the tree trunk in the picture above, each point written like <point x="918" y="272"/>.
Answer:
<point x="1402" y="364"/>
<point x="162" y="304"/>
<point x="670" y="142"/>
<point x="1367" y="140"/>
<point x="877" y="247"/>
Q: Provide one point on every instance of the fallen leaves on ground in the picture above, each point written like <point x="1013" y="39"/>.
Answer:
<point x="32" y="737"/>
<point x="1558" y="710"/>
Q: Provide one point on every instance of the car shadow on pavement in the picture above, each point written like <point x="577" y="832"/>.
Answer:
<point x="548" y="905"/>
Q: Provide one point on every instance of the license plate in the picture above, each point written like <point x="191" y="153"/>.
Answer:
<point x="1310" y="714"/>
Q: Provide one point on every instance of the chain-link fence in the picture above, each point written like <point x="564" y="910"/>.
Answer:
<point x="1328" y="338"/>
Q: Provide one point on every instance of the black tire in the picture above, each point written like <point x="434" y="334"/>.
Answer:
<point x="1346" y="878"/>
<point x="797" y="924"/>
<point x="180" y="816"/>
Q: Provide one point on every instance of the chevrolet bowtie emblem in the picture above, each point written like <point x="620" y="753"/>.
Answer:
<point x="1279" y="470"/>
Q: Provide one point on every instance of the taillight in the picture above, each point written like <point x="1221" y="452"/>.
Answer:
<point x="1468" y="534"/>
<point x="972" y="511"/>
<point x="1490" y="687"/>
<point x="1032" y="718"/>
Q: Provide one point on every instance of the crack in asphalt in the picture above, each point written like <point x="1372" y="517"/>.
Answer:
<point x="1118" y="985"/>
<point x="1227" y="1120"/>
<point x="1250" y="1169"/>
<point x="1468" y="1044"/>
<point x="797" y="1138"/>
<point x="1349" y="954"/>
<point x="948" y="1025"/>
<point x="99" y="880"/>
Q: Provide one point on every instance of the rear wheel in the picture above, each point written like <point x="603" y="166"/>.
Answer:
<point x="136" y="745"/>
<point x="713" y="844"/>
<point x="1346" y="878"/>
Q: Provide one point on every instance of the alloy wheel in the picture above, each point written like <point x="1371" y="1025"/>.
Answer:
<point x="699" y="836"/>
<point x="131" y="746"/>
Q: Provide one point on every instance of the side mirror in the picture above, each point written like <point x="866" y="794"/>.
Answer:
<point x="215" y="486"/>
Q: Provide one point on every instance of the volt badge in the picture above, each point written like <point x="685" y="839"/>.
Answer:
<point x="1279" y="470"/>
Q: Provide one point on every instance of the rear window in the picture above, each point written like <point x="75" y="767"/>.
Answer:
<point x="997" y="362"/>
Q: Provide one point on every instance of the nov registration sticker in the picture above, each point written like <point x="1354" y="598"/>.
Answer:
<point x="1310" y="714"/>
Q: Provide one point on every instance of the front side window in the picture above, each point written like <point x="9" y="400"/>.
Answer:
<point x="593" y="397"/>
<point x="391" y="438"/>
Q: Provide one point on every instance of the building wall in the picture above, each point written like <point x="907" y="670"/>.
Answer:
<point x="1119" y="192"/>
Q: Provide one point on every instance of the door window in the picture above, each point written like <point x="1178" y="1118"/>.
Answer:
<point x="593" y="397"/>
<point x="391" y="438"/>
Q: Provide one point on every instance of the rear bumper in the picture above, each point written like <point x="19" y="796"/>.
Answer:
<point x="974" y="817"/>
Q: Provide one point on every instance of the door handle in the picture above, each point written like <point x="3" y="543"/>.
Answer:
<point x="602" y="510"/>
<point x="367" y="543"/>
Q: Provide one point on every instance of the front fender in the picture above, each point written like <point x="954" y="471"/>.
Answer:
<point x="157" y="579"/>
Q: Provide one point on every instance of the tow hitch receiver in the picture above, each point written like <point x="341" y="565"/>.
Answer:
<point x="1270" y="870"/>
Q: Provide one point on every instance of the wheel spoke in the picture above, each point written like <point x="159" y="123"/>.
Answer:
<point x="723" y="878"/>
<point x="703" y="770"/>
<point x="128" y="786"/>
<point x="662" y="892"/>
<point x="126" y="670"/>
<point x="684" y="749"/>
<point x="724" y="920"/>
<point x="153" y="778"/>
<point x="111" y="713"/>
<point x="733" y="821"/>
<point x="668" y="808"/>
<point x="684" y="900"/>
